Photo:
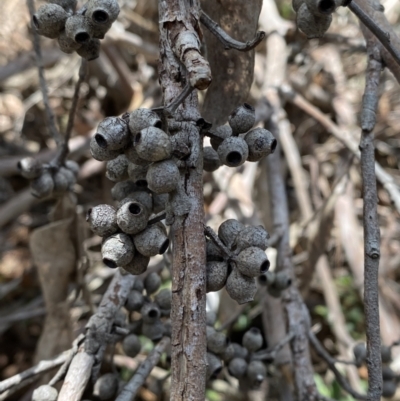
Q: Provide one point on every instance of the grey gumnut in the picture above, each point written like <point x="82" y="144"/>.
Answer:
<point x="152" y="241"/>
<point x="168" y="328"/>
<point x="131" y="345"/>
<point x="163" y="177"/>
<point x="386" y="354"/>
<point x="233" y="151"/>
<point x="214" y="366"/>
<point x="389" y="388"/>
<point x="211" y="161"/>
<point x="45" y="393"/>
<point x="229" y="230"/>
<point x="217" y="342"/>
<point x="112" y="133"/>
<point x="49" y="20"/>
<point x="216" y="275"/>
<point x="102" y="220"/>
<point x="123" y="190"/>
<point x="237" y="367"/>
<point x="67" y="44"/>
<point x="102" y="154"/>
<point x="90" y="50"/>
<point x="313" y="26"/>
<point x="219" y="134"/>
<point x="30" y="168"/>
<point x="267" y="278"/>
<point x="152" y="283"/>
<point x="150" y="312"/>
<point x="138" y="285"/>
<point x="137" y="265"/>
<point x="163" y="299"/>
<point x="77" y="28"/>
<point x="152" y="144"/>
<point x="296" y="4"/>
<point x="67" y="5"/>
<point x="142" y="118"/>
<point x="252" y="262"/>
<point x="242" y="119"/>
<point x="102" y="11"/>
<point x="322" y="7"/>
<point x="261" y="143"/>
<point x="142" y="197"/>
<point x="43" y="185"/>
<point x="117" y="250"/>
<point x="251" y="236"/>
<point x="159" y="202"/>
<point x="239" y="351"/>
<point x="154" y="331"/>
<point x="213" y="252"/>
<point x="132" y="217"/>
<point x="211" y="318"/>
<point x="134" y="301"/>
<point x="64" y="179"/>
<point x="228" y="354"/>
<point x="388" y="373"/>
<point x="252" y="339"/>
<point x="106" y="386"/>
<point x="132" y="155"/>
<point x="256" y="373"/>
<point x="241" y="288"/>
<point x="210" y="330"/>
<point x="117" y="169"/>
<point x="282" y="281"/>
<point x="73" y="166"/>
<point x="137" y="174"/>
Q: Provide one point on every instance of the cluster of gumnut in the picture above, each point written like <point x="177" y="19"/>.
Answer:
<point x="239" y="359"/>
<point x="276" y="282"/>
<point x="245" y="260"/>
<point x="390" y="379"/>
<point x="315" y="16"/>
<point x="48" y="179"/>
<point x="79" y="31"/>
<point x="235" y="143"/>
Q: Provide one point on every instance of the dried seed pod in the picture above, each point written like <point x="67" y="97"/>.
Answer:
<point x="167" y="328"/>
<point x="67" y="45"/>
<point x="386" y="354"/>
<point x="251" y="236"/>
<point x="153" y="144"/>
<point x="117" y="250"/>
<point x="360" y="354"/>
<point x="216" y="275"/>
<point x="322" y="7"/>
<point x="67" y="5"/>
<point x="152" y="241"/>
<point x="77" y="28"/>
<point x="282" y="281"/>
<point x="163" y="299"/>
<point x="112" y="133"/>
<point x="241" y="288"/>
<point x="214" y="366"/>
<point x="153" y="331"/>
<point x="252" y="262"/>
<point x="138" y="285"/>
<point x="228" y="354"/>
<point x="252" y="339"/>
<point x="296" y="4"/>
<point x="213" y="252"/>
<point x="142" y="118"/>
<point x="102" y="11"/>
<point x="313" y="26"/>
<point x="242" y="119"/>
<point x="132" y="217"/>
<point x="134" y="301"/>
<point x="138" y="174"/>
<point x="233" y="151"/>
<point x="102" y="154"/>
<point x="43" y="185"/>
<point x="139" y="196"/>
<point x="30" y="168"/>
<point x="159" y="202"/>
<point x="152" y="283"/>
<point x="117" y="169"/>
<point x="106" y="386"/>
<point x="150" y="312"/>
<point x="256" y="373"/>
<point x="217" y="342"/>
<point x="131" y="345"/>
<point x="137" y="265"/>
<point x="62" y="181"/>
<point x="237" y="367"/>
<point x="90" y="50"/>
<point x="123" y="190"/>
<point x="211" y="160"/>
<point x="267" y="278"/>
<point x="239" y="351"/>
<point x="219" y="134"/>
<point x="389" y="388"/>
<point x="133" y="157"/>
<point x="261" y="143"/>
<point x="163" y="177"/>
<point x="45" y="393"/>
<point x="211" y="318"/>
<point x="229" y="230"/>
<point x="388" y="373"/>
<point x="49" y="20"/>
<point x="72" y="166"/>
<point x="102" y="220"/>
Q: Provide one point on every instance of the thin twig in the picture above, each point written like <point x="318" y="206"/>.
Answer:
<point x="129" y="392"/>
<point x="51" y="121"/>
<point x="226" y="40"/>
<point x="270" y="353"/>
<point x="158" y="217"/>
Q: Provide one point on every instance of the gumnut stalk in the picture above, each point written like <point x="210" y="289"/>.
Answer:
<point x="117" y="250"/>
<point x="49" y="20"/>
<point x="242" y="119"/>
<point x="241" y="288"/>
<point x="102" y="220"/>
<point x="233" y="151"/>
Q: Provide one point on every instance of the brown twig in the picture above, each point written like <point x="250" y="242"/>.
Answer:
<point x="270" y="353"/>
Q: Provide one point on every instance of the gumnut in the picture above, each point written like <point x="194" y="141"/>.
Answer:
<point x="163" y="177"/>
<point x="102" y="220"/>
<point x="42" y="186"/>
<point x="313" y="26"/>
<point x="152" y="144"/>
<point x="152" y="283"/>
<point x="252" y="339"/>
<point x="211" y="161"/>
<point x="131" y="345"/>
<point x="106" y="386"/>
<point x="152" y="241"/>
<point x="150" y="312"/>
<point x="216" y="275"/>
<point x="154" y="331"/>
<point x="112" y="133"/>
<point x="142" y="118"/>
<point x="30" y="168"/>
<point x="229" y="230"/>
<point x="251" y="236"/>
<point x="49" y="20"/>
<point x="241" y="288"/>
<point x="132" y="217"/>
<point x="217" y="342"/>
<point x="163" y="299"/>
<point x="389" y="388"/>
<point x="134" y="301"/>
<point x="233" y="151"/>
<point x="77" y="28"/>
<point x="214" y="366"/>
<point x="117" y="169"/>
<point x="252" y="262"/>
<point x="138" y="264"/>
<point x="256" y="373"/>
<point x="138" y="175"/>
<point x="102" y="154"/>
<point x="117" y="250"/>
<point x="237" y="367"/>
<point x="90" y="50"/>
<point x="67" y="44"/>
<point x="242" y="119"/>
<point x="261" y="143"/>
<point x="219" y="134"/>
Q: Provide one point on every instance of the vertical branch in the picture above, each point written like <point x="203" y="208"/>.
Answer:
<point x="51" y="121"/>
<point x="371" y="225"/>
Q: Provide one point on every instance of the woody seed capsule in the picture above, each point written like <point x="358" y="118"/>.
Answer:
<point x="233" y="151"/>
<point x="137" y="265"/>
<point x="30" y="168"/>
<point x="117" y="169"/>
<point x="122" y="190"/>
<point x="229" y="230"/>
<point x="389" y="388"/>
<point x="133" y="157"/>
<point x="159" y="202"/>
<point x="64" y="179"/>
<point x="242" y="119"/>
<point x="313" y="26"/>
<point x="49" y="20"/>
<point x="112" y="133"/>
<point x="214" y="366"/>
<point x="239" y="351"/>
<point x="152" y="241"/>
<point x="219" y="134"/>
<point x="163" y="299"/>
<point x="142" y="118"/>
<point x="261" y="143"/>
<point x="106" y="386"/>
<point x="229" y="353"/>
<point x="102" y="11"/>
<point x="163" y="177"/>
<point x="237" y="367"/>
<point x="67" y="44"/>
<point x="322" y="7"/>
<point x="102" y="220"/>
<point x="251" y="236"/>
<point x="154" y="331"/>
<point x="252" y="339"/>
<point x="213" y="252"/>
<point x="241" y="288"/>
<point x="153" y="144"/>
<point x="72" y="166"/>
<point x="267" y="278"/>
<point x="42" y="186"/>
<point x="102" y="154"/>
<point x="296" y="4"/>
<point x="138" y="174"/>
<point x="45" y="393"/>
<point x="216" y="275"/>
<point x="77" y="28"/>
<point x="150" y="312"/>
<point x="134" y="301"/>
<point x="117" y="250"/>
<point x="141" y="197"/>
<point x="211" y="160"/>
<point x="256" y="373"/>
<point x="217" y="342"/>
<point x="152" y="283"/>
<point x="282" y="281"/>
<point x="131" y="345"/>
<point x="252" y="262"/>
<point x="67" y="5"/>
<point x="132" y="217"/>
<point x="90" y="50"/>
